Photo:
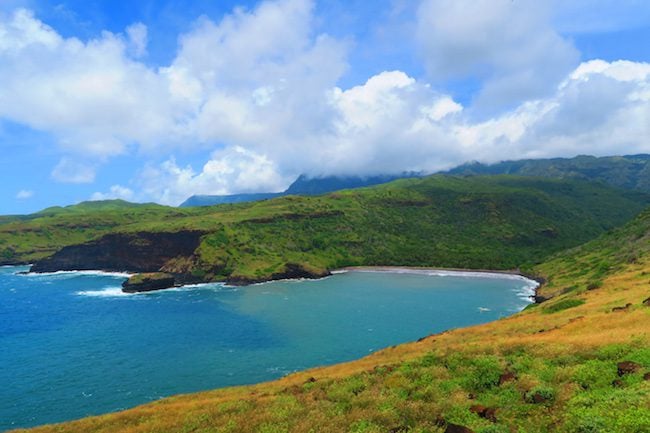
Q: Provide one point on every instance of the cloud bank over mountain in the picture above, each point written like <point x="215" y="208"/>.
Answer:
<point x="260" y="91"/>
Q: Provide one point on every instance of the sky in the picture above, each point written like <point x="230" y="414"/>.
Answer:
<point x="157" y="100"/>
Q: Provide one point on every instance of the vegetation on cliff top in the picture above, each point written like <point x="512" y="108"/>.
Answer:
<point x="493" y="222"/>
<point x="629" y="172"/>
<point x="576" y="363"/>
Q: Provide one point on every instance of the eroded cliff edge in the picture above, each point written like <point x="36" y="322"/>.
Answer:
<point x="139" y="252"/>
<point x="150" y="253"/>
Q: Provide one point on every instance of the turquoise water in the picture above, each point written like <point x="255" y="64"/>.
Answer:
<point x="72" y="345"/>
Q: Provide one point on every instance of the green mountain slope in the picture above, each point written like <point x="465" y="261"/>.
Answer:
<point x="303" y="185"/>
<point x="629" y="172"/>
<point x="25" y="239"/>
<point x="496" y="222"/>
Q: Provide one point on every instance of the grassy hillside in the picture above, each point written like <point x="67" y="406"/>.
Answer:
<point x="577" y="363"/>
<point x="25" y="239"/>
<point x="495" y="222"/>
<point x="629" y="172"/>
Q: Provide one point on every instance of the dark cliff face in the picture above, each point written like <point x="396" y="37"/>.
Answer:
<point x="130" y="252"/>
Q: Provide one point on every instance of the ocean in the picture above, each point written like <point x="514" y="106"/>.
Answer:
<point x="72" y="344"/>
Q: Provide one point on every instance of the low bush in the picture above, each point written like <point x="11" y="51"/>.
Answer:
<point x="564" y="304"/>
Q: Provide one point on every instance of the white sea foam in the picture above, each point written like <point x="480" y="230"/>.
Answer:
<point x="292" y="280"/>
<point x="444" y="273"/>
<point x="214" y="286"/>
<point x="108" y="292"/>
<point x="526" y="292"/>
<point x="72" y="274"/>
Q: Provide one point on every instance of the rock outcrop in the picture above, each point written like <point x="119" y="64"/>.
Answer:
<point x="148" y="282"/>
<point x="627" y="367"/>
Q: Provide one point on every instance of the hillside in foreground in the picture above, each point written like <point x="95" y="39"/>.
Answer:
<point x="578" y="362"/>
<point x="492" y="222"/>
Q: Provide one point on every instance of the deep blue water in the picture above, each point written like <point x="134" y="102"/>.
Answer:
<point x="72" y="345"/>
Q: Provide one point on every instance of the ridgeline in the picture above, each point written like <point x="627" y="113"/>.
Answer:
<point x="491" y="222"/>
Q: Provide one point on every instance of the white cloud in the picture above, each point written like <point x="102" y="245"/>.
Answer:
<point x="393" y="123"/>
<point x="232" y="170"/>
<point x="510" y="45"/>
<point x="24" y="194"/>
<point x="90" y="95"/>
<point x="138" y="39"/>
<point x="115" y="192"/>
<point x="71" y="171"/>
<point x="263" y="88"/>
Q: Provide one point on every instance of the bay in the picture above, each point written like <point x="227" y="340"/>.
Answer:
<point x="73" y="345"/>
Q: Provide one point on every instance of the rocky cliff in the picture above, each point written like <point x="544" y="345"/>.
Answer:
<point x="129" y="252"/>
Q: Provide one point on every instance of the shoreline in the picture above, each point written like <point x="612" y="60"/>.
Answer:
<point x="417" y="270"/>
<point x="538" y="281"/>
<point x="426" y="269"/>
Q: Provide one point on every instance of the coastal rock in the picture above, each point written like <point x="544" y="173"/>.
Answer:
<point x="627" y="367"/>
<point x="646" y="302"/>
<point x="148" y="282"/>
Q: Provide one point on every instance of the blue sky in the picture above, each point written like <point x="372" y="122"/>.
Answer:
<point x="157" y="100"/>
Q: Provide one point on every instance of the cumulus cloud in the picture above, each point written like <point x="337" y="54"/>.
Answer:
<point x="115" y="192"/>
<point x="137" y="34"/>
<point x="233" y="169"/>
<point x="71" y="171"/>
<point x="90" y="95"/>
<point x="510" y="45"/>
<point x="260" y="90"/>
<point x="24" y="194"/>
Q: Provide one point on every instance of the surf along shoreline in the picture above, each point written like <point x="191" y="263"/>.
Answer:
<point x="537" y="280"/>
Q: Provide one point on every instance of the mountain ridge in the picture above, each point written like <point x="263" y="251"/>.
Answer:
<point x="627" y="171"/>
<point x="491" y="222"/>
<point x="303" y="185"/>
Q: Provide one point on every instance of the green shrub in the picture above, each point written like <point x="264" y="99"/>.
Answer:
<point x="564" y="304"/>
<point x="494" y="428"/>
<point x="595" y="374"/>
<point x="543" y="392"/>
<point x="365" y="426"/>
<point x="593" y="285"/>
<point x="483" y="374"/>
